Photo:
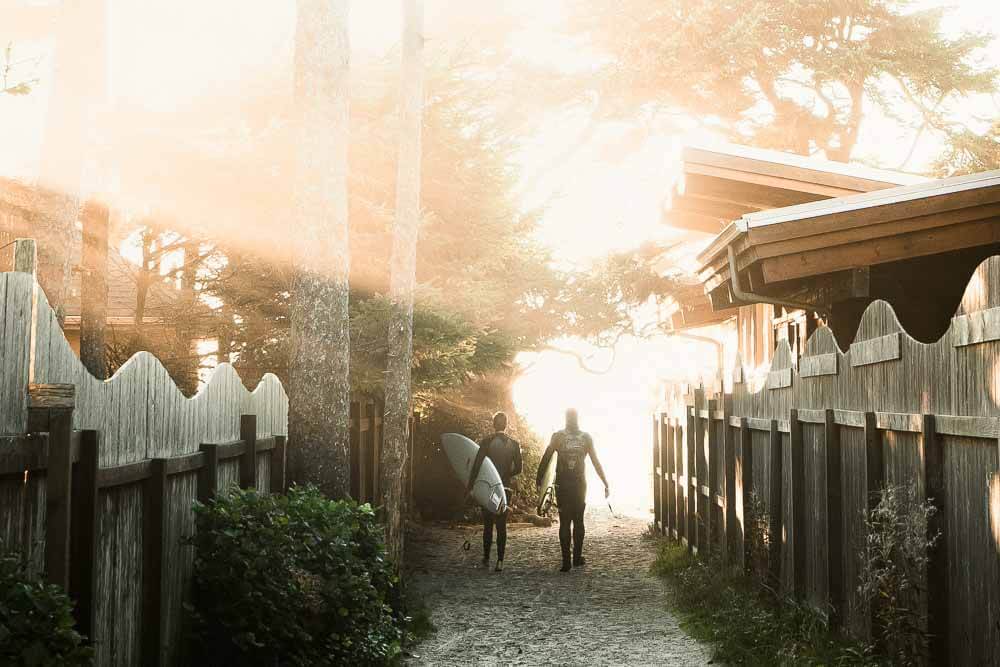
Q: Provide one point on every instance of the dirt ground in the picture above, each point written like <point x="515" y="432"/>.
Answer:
<point x="611" y="611"/>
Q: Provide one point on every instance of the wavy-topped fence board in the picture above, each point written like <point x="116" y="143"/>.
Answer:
<point x="140" y="412"/>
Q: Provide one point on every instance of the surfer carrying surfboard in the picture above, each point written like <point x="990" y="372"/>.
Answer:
<point x="571" y="447"/>
<point x="505" y="454"/>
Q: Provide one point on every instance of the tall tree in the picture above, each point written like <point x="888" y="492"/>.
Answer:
<point x="78" y="82"/>
<point x="403" y="276"/>
<point x="94" y="289"/>
<point x="319" y="382"/>
<point x="798" y="75"/>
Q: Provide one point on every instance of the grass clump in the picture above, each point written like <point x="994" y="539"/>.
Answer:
<point x="893" y="573"/>
<point x="744" y="622"/>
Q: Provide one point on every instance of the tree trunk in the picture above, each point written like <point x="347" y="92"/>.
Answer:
<point x="188" y="328"/>
<point x="78" y="78"/>
<point x="402" y="279"/>
<point x="94" y="290"/>
<point x="142" y="281"/>
<point x="319" y="383"/>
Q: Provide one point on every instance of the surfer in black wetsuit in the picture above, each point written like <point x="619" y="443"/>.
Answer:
<point x="572" y="446"/>
<point x="505" y="453"/>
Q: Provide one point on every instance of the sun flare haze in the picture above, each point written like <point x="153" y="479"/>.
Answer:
<point x="347" y="313"/>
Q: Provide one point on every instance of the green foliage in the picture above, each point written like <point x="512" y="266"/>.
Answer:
<point x="970" y="152"/>
<point x="36" y="620"/>
<point x="293" y="580"/>
<point x="794" y="75"/>
<point x="893" y="569"/>
<point x="745" y="623"/>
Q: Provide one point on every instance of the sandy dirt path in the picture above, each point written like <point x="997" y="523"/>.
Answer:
<point x="610" y="612"/>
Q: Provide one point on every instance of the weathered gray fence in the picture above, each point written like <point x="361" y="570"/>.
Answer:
<point x="817" y="441"/>
<point x="97" y="478"/>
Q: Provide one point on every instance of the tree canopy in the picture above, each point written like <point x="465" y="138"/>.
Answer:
<point x="798" y="75"/>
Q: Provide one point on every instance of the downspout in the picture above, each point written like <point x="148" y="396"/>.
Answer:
<point x="750" y="297"/>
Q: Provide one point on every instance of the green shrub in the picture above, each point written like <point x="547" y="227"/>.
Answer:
<point x="292" y="580"/>
<point x="36" y="620"/>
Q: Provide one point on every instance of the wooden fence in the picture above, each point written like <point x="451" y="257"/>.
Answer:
<point x="97" y="478"/>
<point x="816" y="442"/>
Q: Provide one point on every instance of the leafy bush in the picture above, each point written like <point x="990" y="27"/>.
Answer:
<point x="293" y="580"/>
<point x="893" y="570"/>
<point x="36" y="620"/>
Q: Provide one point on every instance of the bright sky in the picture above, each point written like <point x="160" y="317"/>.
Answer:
<point x="166" y="55"/>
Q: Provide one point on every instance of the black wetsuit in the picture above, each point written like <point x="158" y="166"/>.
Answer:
<point x="505" y="453"/>
<point x="573" y="447"/>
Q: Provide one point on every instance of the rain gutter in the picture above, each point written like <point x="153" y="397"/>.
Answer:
<point x="750" y="297"/>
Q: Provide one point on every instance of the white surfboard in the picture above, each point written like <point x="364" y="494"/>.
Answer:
<point x="487" y="490"/>
<point x="547" y="499"/>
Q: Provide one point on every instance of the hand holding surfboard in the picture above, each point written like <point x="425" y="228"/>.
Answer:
<point x="487" y="489"/>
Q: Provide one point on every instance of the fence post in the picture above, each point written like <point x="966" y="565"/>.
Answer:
<point x="50" y="409"/>
<point x="874" y="468"/>
<point x="357" y="462"/>
<point x="364" y="452"/>
<point x="745" y="479"/>
<point x="657" y="475"/>
<point x="666" y="489"/>
<point x="154" y="515"/>
<point x="248" y="462"/>
<point x="729" y="473"/>
<point x="414" y="428"/>
<point x="278" y="459"/>
<point x="874" y="479"/>
<point x="937" y="524"/>
<point x="797" y="446"/>
<point x="208" y="476"/>
<point x="25" y="256"/>
<point x="83" y="572"/>
<point x="774" y="505"/>
<point x="681" y="436"/>
<point x="691" y="498"/>
<point x="710" y="471"/>
<point x="834" y="518"/>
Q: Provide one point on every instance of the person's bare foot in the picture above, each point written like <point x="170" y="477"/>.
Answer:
<point x="499" y="567"/>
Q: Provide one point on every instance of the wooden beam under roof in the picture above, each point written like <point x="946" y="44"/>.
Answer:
<point x="691" y="221"/>
<point x="741" y="193"/>
<point x="882" y="250"/>
<point x="715" y="208"/>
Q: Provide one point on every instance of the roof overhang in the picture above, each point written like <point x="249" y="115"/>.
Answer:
<point x="723" y="182"/>
<point x="825" y="237"/>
